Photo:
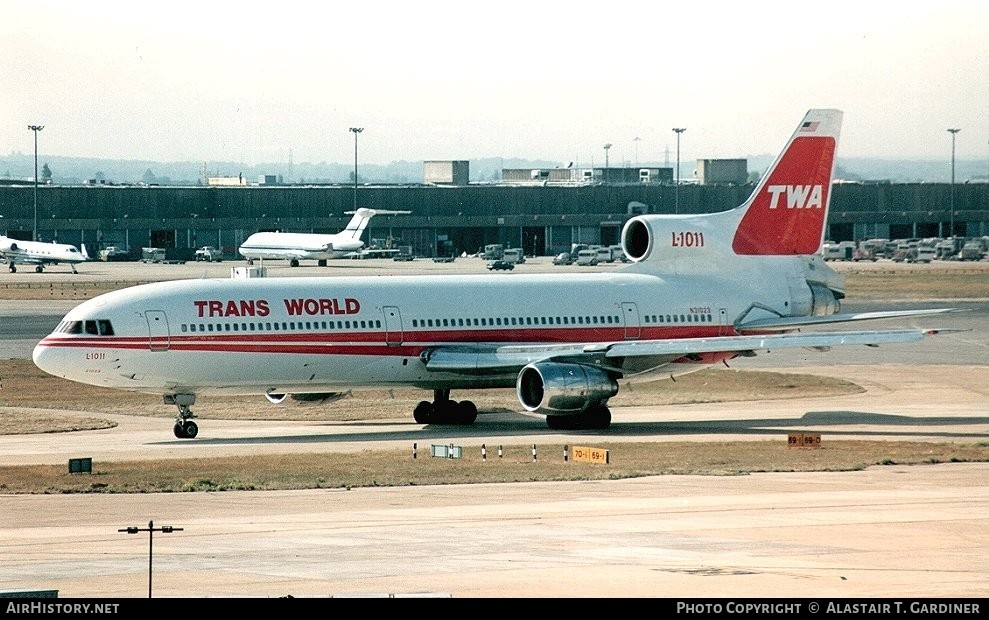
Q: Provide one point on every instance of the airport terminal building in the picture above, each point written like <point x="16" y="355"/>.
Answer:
<point x="537" y="212"/>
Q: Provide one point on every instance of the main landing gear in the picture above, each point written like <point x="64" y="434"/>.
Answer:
<point x="597" y="417"/>
<point x="445" y="411"/>
<point x="185" y="428"/>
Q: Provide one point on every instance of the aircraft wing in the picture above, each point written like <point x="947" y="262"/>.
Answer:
<point x="478" y="359"/>
<point x="21" y="258"/>
<point x="778" y="323"/>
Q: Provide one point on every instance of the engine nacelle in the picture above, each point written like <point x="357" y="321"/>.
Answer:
<point x="563" y="388"/>
<point x="275" y="398"/>
<point x="677" y="237"/>
<point x="306" y="397"/>
<point x="823" y="300"/>
<point x="318" y="397"/>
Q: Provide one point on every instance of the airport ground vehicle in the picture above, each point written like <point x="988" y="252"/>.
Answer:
<point x="973" y="250"/>
<point x="493" y="251"/>
<point x="403" y="257"/>
<point x="587" y="258"/>
<point x="152" y="255"/>
<point x="501" y="265"/>
<point x="513" y="255"/>
<point x="209" y="254"/>
<point x="563" y="258"/>
<point x="114" y="253"/>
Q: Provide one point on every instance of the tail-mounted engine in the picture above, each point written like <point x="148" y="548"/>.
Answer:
<point x="557" y="388"/>
<point x="823" y="300"/>
<point x="676" y="238"/>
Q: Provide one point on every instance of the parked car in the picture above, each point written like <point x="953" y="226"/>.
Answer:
<point x="443" y="259"/>
<point x="563" y="258"/>
<point x="501" y="264"/>
<point x="403" y="257"/>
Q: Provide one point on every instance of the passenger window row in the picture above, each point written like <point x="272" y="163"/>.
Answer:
<point x="518" y="321"/>
<point x="275" y="326"/>
<point x="679" y="318"/>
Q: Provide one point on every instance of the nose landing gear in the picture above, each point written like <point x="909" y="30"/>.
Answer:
<point x="184" y="428"/>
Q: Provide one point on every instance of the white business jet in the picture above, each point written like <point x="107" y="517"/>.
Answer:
<point x="39" y="254"/>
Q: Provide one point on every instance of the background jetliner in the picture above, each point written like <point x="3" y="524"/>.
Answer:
<point x="294" y="247"/>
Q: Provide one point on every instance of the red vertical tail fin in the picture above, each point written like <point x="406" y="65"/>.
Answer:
<point x="786" y="213"/>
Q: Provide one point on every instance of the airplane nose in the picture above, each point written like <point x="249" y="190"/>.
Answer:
<point x="45" y="358"/>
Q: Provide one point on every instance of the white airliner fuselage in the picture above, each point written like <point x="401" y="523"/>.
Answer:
<point x="700" y="289"/>
<point x="39" y="254"/>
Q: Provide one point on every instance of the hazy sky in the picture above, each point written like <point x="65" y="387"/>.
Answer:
<point x="257" y="82"/>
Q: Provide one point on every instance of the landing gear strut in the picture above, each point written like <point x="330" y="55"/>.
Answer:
<point x="445" y="411"/>
<point x="184" y="428"/>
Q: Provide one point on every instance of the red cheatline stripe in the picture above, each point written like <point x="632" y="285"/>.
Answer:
<point x="365" y="342"/>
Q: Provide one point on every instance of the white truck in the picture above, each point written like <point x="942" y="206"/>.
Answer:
<point x="513" y="255"/>
<point x="209" y="254"/>
<point x="587" y="258"/>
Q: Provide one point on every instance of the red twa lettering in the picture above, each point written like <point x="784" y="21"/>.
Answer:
<point x="797" y="196"/>
<point x="210" y="308"/>
<point x="313" y="307"/>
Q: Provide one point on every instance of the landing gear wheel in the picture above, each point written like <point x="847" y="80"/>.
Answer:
<point x="561" y="422"/>
<point x="445" y="411"/>
<point x="293" y="263"/>
<point x="191" y="429"/>
<point x="186" y="430"/>
<point x="466" y="412"/>
<point x="39" y="268"/>
<point x="13" y="269"/>
<point x="423" y="413"/>
<point x="597" y="417"/>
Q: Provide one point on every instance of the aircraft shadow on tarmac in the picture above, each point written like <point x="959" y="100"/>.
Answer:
<point x="841" y="423"/>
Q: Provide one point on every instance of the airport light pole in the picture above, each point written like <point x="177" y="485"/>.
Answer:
<point x="636" y="140"/>
<point x="607" y="147"/>
<point x="676" y="191"/>
<point x="951" y="218"/>
<point x="151" y="529"/>
<point x="355" y="131"/>
<point x="35" y="129"/>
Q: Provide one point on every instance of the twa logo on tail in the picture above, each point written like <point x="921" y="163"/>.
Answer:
<point x="786" y="213"/>
<point x="797" y="196"/>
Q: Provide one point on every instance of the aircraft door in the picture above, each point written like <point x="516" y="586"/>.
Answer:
<point x="630" y="316"/>
<point x="723" y="322"/>
<point x="393" y="326"/>
<point x="158" y="337"/>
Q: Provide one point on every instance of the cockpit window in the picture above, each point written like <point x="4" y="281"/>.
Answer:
<point x="99" y="327"/>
